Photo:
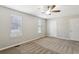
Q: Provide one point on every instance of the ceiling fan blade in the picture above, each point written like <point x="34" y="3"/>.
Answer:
<point x="51" y="7"/>
<point x="56" y="11"/>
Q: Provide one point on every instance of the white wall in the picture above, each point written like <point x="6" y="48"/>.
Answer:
<point x="58" y="27"/>
<point x="65" y="28"/>
<point x="29" y="28"/>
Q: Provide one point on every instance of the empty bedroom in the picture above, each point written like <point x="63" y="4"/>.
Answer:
<point x="39" y="29"/>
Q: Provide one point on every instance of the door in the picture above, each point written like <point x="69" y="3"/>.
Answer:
<point x="74" y="29"/>
<point x="51" y="28"/>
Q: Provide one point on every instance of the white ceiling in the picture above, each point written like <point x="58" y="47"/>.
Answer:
<point x="66" y="10"/>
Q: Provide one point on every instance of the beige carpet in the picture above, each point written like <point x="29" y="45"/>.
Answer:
<point x="45" y="46"/>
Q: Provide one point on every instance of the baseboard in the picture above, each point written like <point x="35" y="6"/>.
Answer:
<point x="58" y="37"/>
<point x="63" y="38"/>
<point x="19" y="43"/>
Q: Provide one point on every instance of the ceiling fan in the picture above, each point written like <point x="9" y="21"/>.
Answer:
<point x="50" y="9"/>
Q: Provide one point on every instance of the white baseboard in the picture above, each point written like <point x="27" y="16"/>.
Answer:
<point x="60" y="37"/>
<point x="20" y="43"/>
<point x="63" y="38"/>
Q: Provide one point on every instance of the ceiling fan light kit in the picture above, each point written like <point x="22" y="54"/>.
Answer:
<point x="48" y="12"/>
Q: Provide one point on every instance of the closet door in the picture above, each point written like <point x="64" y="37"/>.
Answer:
<point x="51" y="28"/>
<point x="74" y="29"/>
<point x="63" y="29"/>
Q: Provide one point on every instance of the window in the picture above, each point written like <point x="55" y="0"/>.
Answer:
<point x="39" y="26"/>
<point x="16" y="26"/>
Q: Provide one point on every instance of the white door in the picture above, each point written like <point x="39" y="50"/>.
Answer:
<point x="74" y="29"/>
<point x="51" y="28"/>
